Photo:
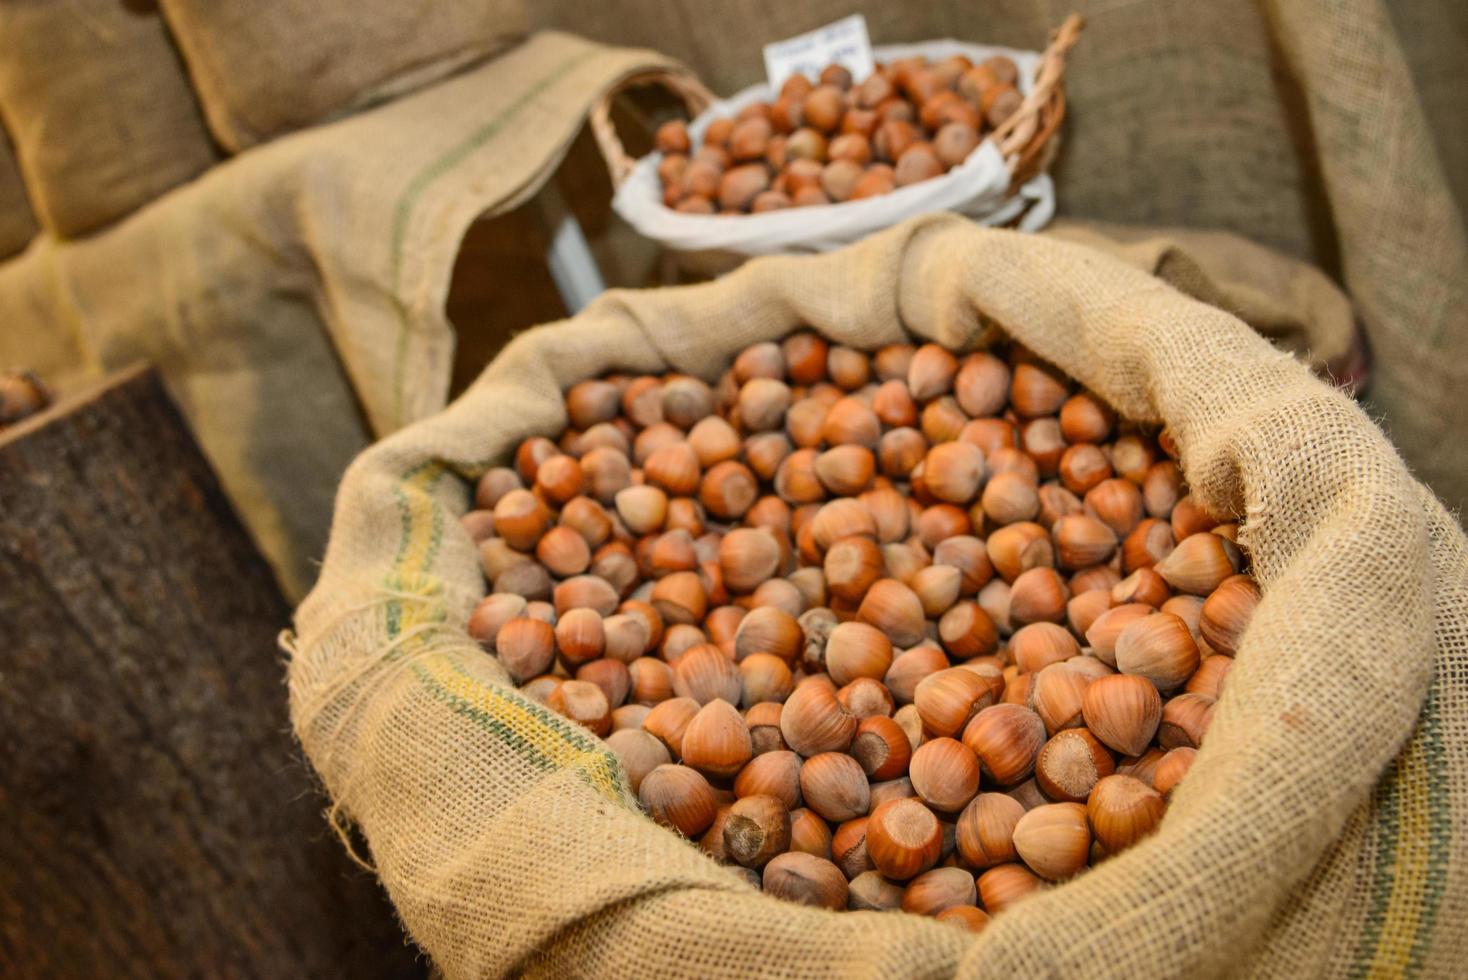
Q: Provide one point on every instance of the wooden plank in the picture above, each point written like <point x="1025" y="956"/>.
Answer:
<point x="159" y="820"/>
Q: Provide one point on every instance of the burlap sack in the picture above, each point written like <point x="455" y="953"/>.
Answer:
<point x="293" y="297"/>
<point x="17" y="223"/>
<point x="1434" y="36"/>
<point x="1293" y="123"/>
<point x="265" y="69"/>
<point x="98" y="105"/>
<point x="1320" y="832"/>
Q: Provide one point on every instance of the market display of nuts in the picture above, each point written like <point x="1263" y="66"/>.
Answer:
<point x="910" y="121"/>
<point x="893" y="630"/>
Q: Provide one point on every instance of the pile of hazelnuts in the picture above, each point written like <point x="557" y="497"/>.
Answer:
<point x="905" y="629"/>
<point x="830" y="141"/>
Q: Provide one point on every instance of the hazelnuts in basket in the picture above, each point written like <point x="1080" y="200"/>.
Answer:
<point x="903" y="629"/>
<point x="830" y="141"/>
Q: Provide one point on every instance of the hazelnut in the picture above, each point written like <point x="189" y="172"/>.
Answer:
<point x="1019" y="547"/>
<point x="814" y="721"/>
<point x="1007" y="739"/>
<point x="1057" y="692"/>
<point x="805" y="879"/>
<point x="1123" y="711"/>
<point x="1108" y="626"/>
<point x="668" y="721"/>
<point x="955" y="141"/>
<point x="938" y="890"/>
<point x="678" y="797"/>
<point x="1038" y="645"/>
<point x="1185" y="719"/>
<point x="756" y="830"/>
<point x="525" y="647"/>
<point x="881" y="748"/>
<point x="910" y="668"/>
<point x="903" y="838"/>
<point x="944" y="773"/>
<point x="999" y="103"/>
<point x="1054" y="840"/>
<point x="1071" y="763"/>
<point x="1172" y="768"/>
<point x="857" y="650"/>
<point x="879" y="179"/>
<point x="764" y="727"/>
<point x="492" y="613"/>
<point x="609" y="675"/>
<point x="809" y="834"/>
<point x="1117" y="503"/>
<point x="870" y="891"/>
<point x="946" y="700"/>
<point x="1004" y="885"/>
<point x="739" y="186"/>
<point x="768" y="629"/>
<point x="775" y="773"/>
<point x="764" y="677"/>
<point x="584" y="703"/>
<point x="834" y="786"/>
<point x="968" y="917"/>
<point x="651" y="680"/>
<point x="849" y="847"/>
<point x="705" y="675"/>
<point x="866" y="697"/>
<point x="894" y="609"/>
<point x="672" y="137"/>
<point x="638" y="752"/>
<point x="1200" y="563"/>
<point x="1122" y="810"/>
<point x="1037" y="595"/>
<point x="846" y="470"/>
<point x="985" y="831"/>
<point x="747" y="557"/>
<point x="1160" y="648"/>
<point x="1226" y="612"/>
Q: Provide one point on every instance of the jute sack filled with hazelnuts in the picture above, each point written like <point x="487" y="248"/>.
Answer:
<point x="1318" y="829"/>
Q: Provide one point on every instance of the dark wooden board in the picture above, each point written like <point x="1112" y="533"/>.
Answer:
<point x="156" y="817"/>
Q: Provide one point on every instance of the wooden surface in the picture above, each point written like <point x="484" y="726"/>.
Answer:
<point x="156" y="818"/>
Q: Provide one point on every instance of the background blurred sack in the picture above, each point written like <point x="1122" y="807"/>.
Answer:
<point x="263" y="69"/>
<point x="99" y="107"/>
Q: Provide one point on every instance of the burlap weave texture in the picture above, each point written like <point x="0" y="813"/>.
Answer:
<point x="1314" y="835"/>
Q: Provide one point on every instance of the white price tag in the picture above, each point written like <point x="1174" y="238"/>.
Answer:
<point x="843" y="42"/>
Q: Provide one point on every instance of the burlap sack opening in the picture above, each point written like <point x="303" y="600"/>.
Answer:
<point x="1315" y="834"/>
<point x="263" y="70"/>
<point x="99" y="107"/>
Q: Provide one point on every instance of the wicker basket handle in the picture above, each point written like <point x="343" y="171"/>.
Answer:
<point x="680" y="82"/>
<point x="1026" y="139"/>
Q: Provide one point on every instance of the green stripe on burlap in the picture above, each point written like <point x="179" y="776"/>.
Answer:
<point x="1412" y="826"/>
<point x="436" y="170"/>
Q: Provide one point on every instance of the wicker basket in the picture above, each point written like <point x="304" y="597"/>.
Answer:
<point x="1026" y="141"/>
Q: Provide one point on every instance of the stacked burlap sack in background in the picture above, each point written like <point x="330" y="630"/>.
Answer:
<point x="1321" y="831"/>
<point x="17" y="222"/>
<point x="100" y="110"/>
<point x="265" y="69"/>
<point x="1294" y="123"/>
<point x="293" y="296"/>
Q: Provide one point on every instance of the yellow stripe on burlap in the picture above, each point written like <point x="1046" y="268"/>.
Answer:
<point x="1402" y="920"/>
<point x="542" y="738"/>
